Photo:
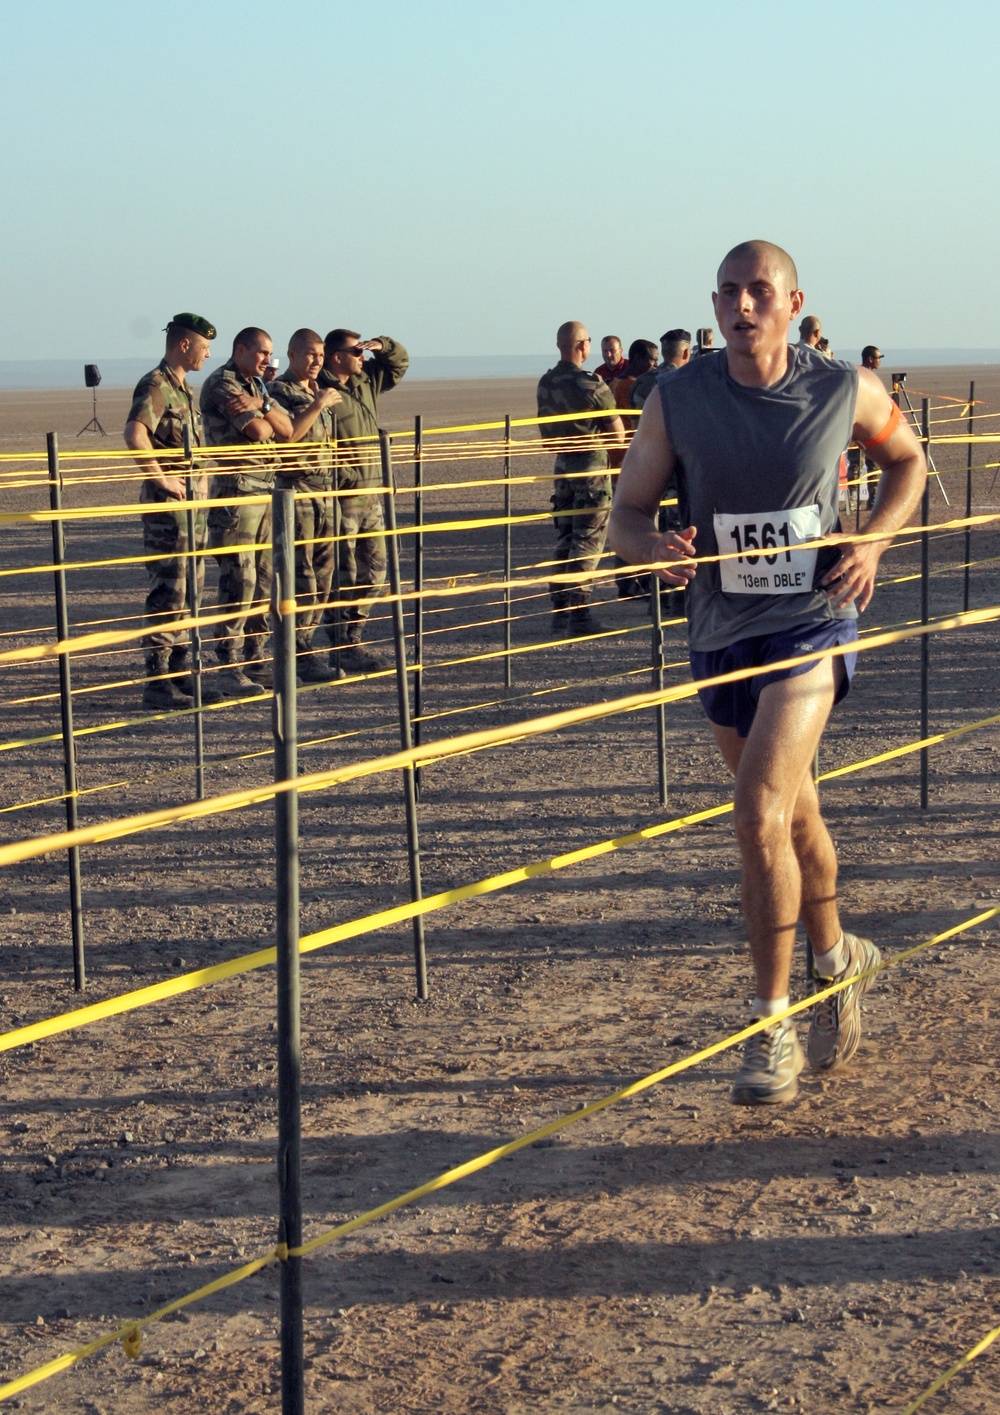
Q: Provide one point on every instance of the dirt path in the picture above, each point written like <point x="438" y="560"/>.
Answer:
<point x="672" y="1254"/>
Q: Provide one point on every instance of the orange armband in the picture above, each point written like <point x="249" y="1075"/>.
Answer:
<point x="895" y="418"/>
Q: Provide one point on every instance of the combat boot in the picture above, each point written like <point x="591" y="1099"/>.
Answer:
<point x="560" y="616"/>
<point x="258" y="670"/>
<point x="352" y="658"/>
<point x="232" y="682"/>
<point x="309" y="668"/>
<point x="179" y="664"/>
<point x="160" y="691"/>
<point x="583" y="622"/>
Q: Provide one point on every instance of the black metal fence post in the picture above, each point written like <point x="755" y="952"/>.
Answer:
<point x="286" y="839"/>
<point x="507" y="669"/>
<point x="418" y="586"/>
<point x="191" y="571"/>
<point x="66" y="711"/>
<point x="925" y="595"/>
<point x="403" y="698"/>
<point x="968" y="498"/>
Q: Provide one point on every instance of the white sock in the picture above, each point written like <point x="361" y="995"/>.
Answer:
<point x="828" y="965"/>
<point x="768" y="1006"/>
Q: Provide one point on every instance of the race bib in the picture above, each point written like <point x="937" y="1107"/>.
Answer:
<point x="761" y="554"/>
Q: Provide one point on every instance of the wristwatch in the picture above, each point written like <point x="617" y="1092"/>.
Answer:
<point x="265" y="407"/>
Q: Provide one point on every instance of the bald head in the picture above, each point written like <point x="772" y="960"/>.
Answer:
<point x="570" y="334"/>
<point x="779" y="262"/>
<point x="810" y="329"/>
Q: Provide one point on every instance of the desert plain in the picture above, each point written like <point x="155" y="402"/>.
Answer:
<point x="672" y="1254"/>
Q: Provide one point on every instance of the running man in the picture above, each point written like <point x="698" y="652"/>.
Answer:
<point x="753" y="435"/>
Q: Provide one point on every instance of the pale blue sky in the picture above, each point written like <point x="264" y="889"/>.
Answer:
<point x="465" y="176"/>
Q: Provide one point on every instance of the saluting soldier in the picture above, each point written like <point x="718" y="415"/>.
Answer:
<point x="163" y="405"/>
<point x="360" y="382"/>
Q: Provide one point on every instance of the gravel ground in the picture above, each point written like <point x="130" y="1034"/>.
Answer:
<point x="671" y="1254"/>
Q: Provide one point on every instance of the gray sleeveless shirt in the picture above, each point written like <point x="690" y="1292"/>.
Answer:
<point x="757" y="473"/>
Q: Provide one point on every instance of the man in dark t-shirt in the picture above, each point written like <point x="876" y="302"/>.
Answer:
<point x="753" y="435"/>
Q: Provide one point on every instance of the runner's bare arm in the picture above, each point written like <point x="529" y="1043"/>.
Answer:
<point x="904" y="473"/>
<point x="645" y="475"/>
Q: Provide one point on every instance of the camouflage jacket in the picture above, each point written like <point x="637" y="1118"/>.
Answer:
<point x="254" y="473"/>
<point x="163" y="404"/>
<point x="568" y="389"/>
<point x="311" y="469"/>
<point x="358" y="464"/>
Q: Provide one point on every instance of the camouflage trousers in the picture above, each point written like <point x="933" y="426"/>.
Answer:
<point x="165" y="533"/>
<point x="362" y="558"/>
<point x="244" y="574"/>
<point x="581" y="509"/>
<point x="314" y="559"/>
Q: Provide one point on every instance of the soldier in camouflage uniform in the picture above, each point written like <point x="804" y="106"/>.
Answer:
<point x="310" y="476"/>
<point x="238" y="410"/>
<point x="162" y="406"/>
<point x="362" y="545"/>
<point x="581" y="504"/>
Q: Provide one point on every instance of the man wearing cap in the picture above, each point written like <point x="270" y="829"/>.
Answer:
<point x="706" y="343"/>
<point x="871" y="358"/>
<point x="162" y="406"/>
<point x="238" y="411"/>
<point x="310" y="477"/>
<point x="358" y="514"/>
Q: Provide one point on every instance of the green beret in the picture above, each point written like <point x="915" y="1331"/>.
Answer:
<point x="195" y="323"/>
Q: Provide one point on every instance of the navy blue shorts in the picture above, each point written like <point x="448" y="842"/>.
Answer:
<point x="735" y="704"/>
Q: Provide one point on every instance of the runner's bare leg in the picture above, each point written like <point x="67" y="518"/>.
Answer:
<point x="789" y="862"/>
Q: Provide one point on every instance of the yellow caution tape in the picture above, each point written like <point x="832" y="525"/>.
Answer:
<point x="494" y="736"/>
<point x="110" y="638"/>
<point x="129" y="1332"/>
<point x="953" y="1371"/>
<point x="400" y="913"/>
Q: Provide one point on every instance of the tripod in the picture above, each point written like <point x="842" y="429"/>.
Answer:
<point x="95" y="423"/>
<point x="900" y="388"/>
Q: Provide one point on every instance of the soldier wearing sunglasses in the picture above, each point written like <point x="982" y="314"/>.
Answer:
<point x="360" y="381"/>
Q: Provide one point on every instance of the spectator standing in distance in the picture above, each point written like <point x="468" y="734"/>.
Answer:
<point x="358" y="516"/>
<point x="162" y="406"/>
<point x="871" y="358"/>
<point x="238" y="409"/>
<point x="310" y="476"/>
<point x="581" y="499"/>
<point x="615" y="363"/>
<point x="705" y="344"/>
<point x="675" y="348"/>
<point x="642" y="359"/>
<point x="810" y="333"/>
<point x="754" y="439"/>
